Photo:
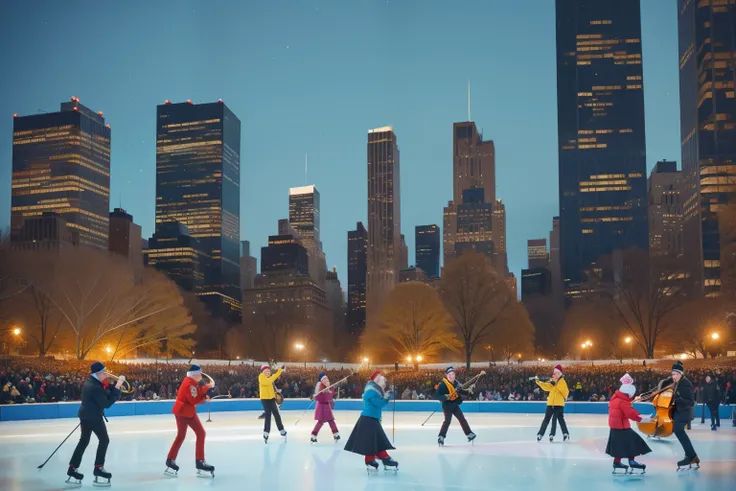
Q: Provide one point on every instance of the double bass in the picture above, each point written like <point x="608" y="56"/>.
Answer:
<point x="661" y="424"/>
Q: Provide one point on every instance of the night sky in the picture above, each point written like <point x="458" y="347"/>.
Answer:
<point x="311" y="77"/>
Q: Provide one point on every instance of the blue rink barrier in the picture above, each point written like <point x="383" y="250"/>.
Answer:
<point x="22" y="412"/>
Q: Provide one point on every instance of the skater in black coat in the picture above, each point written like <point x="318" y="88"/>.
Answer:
<point x="95" y="399"/>
<point x="684" y="404"/>
<point x="712" y="397"/>
<point x="451" y="393"/>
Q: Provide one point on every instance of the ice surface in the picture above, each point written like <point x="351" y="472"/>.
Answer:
<point x="505" y="456"/>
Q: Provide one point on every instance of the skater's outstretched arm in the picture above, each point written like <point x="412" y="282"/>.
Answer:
<point x="273" y="377"/>
<point x="545" y="386"/>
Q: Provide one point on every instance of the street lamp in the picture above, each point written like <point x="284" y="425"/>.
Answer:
<point x="419" y="357"/>
<point x="631" y="346"/>
<point x="109" y="350"/>
<point x="301" y="347"/>
<point x="408" y="358"/>
<point x="16" y="331"/>
<point x="365" y="359"/>
<point x="715" y="336"/>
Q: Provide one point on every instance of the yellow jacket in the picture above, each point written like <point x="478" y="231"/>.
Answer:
<point x="557" y="393"/>
<point x="265" y="385"/>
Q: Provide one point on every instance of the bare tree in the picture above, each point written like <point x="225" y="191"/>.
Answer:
<point x="642" y="293"/>
<point x="413" y="321"/>
<point x="594" y="319"/>
<point x="270" y="329"/>
<point x="97" y="294"/>
<point x="476" y="297"/>
<point x="514" y="335"/>
<point x="172" y="328"/>
<point x="695" y="325"/>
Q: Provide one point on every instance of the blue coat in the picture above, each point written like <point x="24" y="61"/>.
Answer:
<point x="374" y="399"/>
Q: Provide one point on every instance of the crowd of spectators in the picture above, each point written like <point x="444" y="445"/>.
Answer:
<point x="29" y="380"/>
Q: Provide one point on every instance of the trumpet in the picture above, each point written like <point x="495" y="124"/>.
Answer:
<point x="125" y="388"/>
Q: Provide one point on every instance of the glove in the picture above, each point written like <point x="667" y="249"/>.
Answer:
<point x="471" y="389"/>
<point x="553" y="383"/>
<point x="122" y="378"/>
<point x="283" y="368"/>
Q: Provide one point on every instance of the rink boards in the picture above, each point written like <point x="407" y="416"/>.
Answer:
<point x="22" y="412"/>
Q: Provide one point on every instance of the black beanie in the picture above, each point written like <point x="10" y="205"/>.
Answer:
<point x="677" y="367"/>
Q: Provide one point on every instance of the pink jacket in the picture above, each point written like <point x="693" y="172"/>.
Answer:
<point x="323" y="410"/>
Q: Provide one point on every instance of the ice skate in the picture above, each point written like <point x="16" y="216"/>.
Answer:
<point x="565" y="437"/>
<point x="74" y="479"/>
<point x="265" y="437"/>
<point x="102" y="478"/>
<point x="637" y="468"/>
<point x="313" y="439"/>
<point x="371" y="467"/>
<point x="619" y="466"/>
<point x="390" y="465"/>
<point x="336" y="437"/>
<point x="283" y="433"/>
<point x="688" y="464"/>
<point x="539" y="437"/>
<point x="205" y="470"/>
<point x="551" y="438"/>
<point x="172" y="469"/>
<point x="441" y="441"/>
<point x="471" y="437"/>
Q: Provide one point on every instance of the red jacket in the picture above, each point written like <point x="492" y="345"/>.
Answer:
<point x="190" y="394"/>
<point x="620" y="412"/>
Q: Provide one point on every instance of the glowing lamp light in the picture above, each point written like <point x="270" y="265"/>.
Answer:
<point x="15" y="115"/>
<point x="365" y="360"/>
<point x="628" y="340"/>
<point x="299" y="346"/>
<point x="100" y="113"/>
<point x="683" y="356"/>
<point x="16" y="331"/>
<point x="714" y="335"/>
<point x="167" y="101"/>
<point x="220" y="101"/>
<point x="76" y="109"/>
<point x="237" y="357"/>
<point x="189" y="101"/>
<point x="108" y="349"/>
<point x="408" y="358"/>
<point x="419" y="357"/>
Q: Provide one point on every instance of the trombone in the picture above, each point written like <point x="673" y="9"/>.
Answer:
<point x="212" y="381"/>
<point x="125" y="388"/>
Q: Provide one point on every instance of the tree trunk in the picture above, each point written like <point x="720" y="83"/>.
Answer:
<point x="468" y="354"/>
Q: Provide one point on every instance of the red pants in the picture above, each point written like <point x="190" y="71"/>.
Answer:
<point x="181" y="433"/>
<point x="319" y="425"/>
<point x="381" y="455"/>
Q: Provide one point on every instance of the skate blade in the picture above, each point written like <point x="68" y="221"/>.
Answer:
<point x="99" y="484"/>
<point x="171" y="473"/>
<point x="205" y="474"/>
<point x="386" y="470"/>
<point x="620" y="472"/>
<point x="72" y="484"/>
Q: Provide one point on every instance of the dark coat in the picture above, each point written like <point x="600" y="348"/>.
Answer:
<point x="95" y="399"/>
<point x="712" y="394"/>
<point x="443" y="393"/>
<point x="684" y="400"/>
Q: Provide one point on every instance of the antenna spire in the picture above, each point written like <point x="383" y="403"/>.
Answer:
<point x="469" y="101"/>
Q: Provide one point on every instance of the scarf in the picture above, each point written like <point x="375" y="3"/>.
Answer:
<point x="450" y="388"/>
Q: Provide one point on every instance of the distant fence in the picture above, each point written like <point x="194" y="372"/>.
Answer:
<point x="21" y="412"/>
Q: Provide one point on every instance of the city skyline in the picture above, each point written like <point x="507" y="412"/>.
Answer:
<point x="336" y="152"/>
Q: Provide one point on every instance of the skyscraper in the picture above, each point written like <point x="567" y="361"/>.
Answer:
<point x="554" y="258"/>
<point x="473" y="167"/>
<point x="665" y="210"/>
<point x="537" y="254"/>
<point x="357" y="269"/>
<point x="600" y="117"/>
<point x="474" y="223"/>
<point x="61" y="164"/>
<point x="384" y="218"/>
<point x="198" y="185"/>
<point x="177" y="254"/>
<point x="707" y="35"/>
<point x="427" y="249"/>
<point x="248" y="266"/>
<point x="473" y="163"/>
<point x="125" y="238"/>
<point x="403" y="254"/>
<point x="500" y="258"/>
<point x="304" y="212"/>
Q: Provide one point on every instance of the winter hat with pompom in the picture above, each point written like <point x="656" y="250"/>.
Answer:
<point x="627" y="385"/>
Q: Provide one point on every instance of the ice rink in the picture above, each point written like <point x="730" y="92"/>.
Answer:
<point x="505" y="456"/>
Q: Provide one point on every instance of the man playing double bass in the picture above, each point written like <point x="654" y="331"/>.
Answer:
<point x="684" y="402"/>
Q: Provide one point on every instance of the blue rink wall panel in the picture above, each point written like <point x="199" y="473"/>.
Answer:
<point x="23" y="412"/>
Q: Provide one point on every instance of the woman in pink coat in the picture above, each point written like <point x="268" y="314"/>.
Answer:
<point x="323" y="411"/>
